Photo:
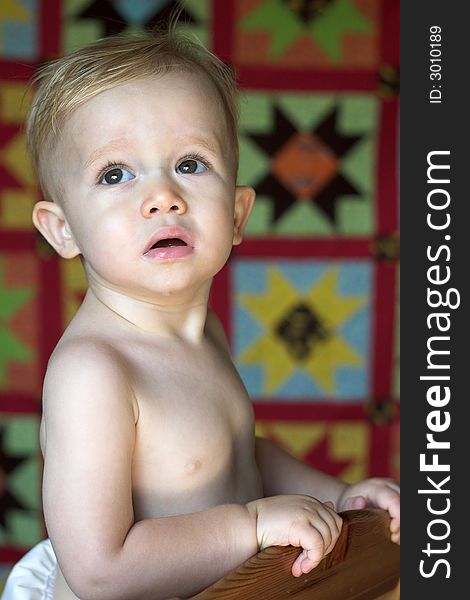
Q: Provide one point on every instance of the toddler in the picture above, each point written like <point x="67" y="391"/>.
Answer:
<point x="154" y="483"/>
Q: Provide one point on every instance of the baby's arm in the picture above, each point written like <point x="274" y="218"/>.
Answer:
<point x="283" y="474"/>
<point x="90" y="417"/>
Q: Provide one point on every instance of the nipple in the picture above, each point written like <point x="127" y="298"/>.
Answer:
<point x="192" y="466"/>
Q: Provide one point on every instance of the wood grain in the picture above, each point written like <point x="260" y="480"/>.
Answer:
<point x="363" y="566"/>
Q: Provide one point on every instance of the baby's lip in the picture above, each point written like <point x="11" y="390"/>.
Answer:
<point x="167" y="233"/>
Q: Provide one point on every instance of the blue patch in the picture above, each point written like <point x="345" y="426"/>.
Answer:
<point x="246" y="329"/>
<point x="303" y="274"/>
<point x="19" y="41"/>
<point x="139" y="13"/>
<point x="356" y="331"/>
<point x="249" y="277"/>
<point x="253" y="378"/>
<point x="352" y="384"/>
<point x="355" y="278"/>
<point x="30" y="5"/>
<point x="299" y="386"/>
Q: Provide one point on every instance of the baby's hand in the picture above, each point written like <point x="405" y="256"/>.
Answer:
<point x="298" y="521"/>
<point x="377" y="492"/>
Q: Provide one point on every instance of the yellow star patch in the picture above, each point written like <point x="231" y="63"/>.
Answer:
<point x="301" y="331"/>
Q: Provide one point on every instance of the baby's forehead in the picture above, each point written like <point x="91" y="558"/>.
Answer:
<point x="144" y="112"/>
<point x="178" y="95"/>
<point x="178" y="74"/>
<point x="165" y="86"/>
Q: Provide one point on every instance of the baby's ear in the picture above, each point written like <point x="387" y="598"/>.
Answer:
<point x="49" y="219"/>
<point x="244" y="199"/>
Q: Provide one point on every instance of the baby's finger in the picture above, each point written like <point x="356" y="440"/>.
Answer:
<point x="391" y="503"/>
<point x="395" y="537"/>
<point x="328" y="527"/>
<point x="336" y="524"/>
<point x="395" y="530"/>
<point x="332" y="517"/>
<point x="306" y="562"/>
<point x="302" y="564"/>
<point x="355" y="502"/>
<point x="395" y="525"/>
<point x="296" y="567"/>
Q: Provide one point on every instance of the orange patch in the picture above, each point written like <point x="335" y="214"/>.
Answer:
<point x="305" y="165"/>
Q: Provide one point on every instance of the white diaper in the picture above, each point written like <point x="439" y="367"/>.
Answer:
<point x="33" y="577"/>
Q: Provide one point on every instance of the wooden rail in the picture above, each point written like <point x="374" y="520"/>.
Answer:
<point x="364" y="565"/>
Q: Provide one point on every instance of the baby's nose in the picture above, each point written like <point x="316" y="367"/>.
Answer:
<point x="164" y="199"/>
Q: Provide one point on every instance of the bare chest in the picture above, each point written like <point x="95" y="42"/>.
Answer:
<point x="194" y="444"/>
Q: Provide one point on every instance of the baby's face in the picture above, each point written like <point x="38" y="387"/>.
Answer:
<point x="146" y="161"/>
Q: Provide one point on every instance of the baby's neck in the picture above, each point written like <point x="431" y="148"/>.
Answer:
<point x="184" y="319"/>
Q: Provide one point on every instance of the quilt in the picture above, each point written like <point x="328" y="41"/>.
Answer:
<point x="309" y="301"/>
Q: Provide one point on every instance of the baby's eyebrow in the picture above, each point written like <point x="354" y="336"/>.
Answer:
<point x="110" y="147"/>
<point x="209" y="144"/>
<point x="115" y="146"/>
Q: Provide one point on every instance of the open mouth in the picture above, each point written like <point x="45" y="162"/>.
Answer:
<point x="169" y="243"/>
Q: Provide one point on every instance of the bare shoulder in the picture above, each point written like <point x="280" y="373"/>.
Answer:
<point x="87" y="371"/>
<point x="79" y="359"/>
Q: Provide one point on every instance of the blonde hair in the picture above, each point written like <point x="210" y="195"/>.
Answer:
<point x="62" y="85"/>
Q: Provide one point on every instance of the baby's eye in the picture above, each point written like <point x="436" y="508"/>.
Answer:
<point x="190" y="166"/>
<point x="116" y="175"/>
